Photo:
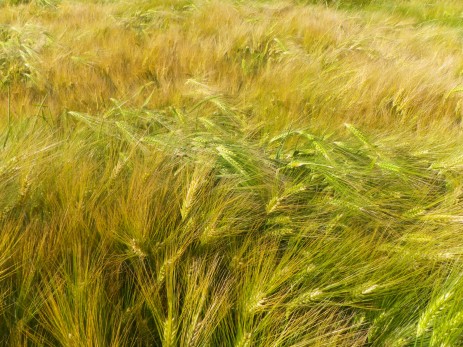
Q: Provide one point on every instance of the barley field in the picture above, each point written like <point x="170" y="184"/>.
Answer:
<point x="231" y="173"/>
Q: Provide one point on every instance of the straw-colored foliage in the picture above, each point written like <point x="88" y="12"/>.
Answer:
<point x="231" y="173"/>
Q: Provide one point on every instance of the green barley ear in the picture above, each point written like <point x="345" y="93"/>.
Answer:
<point x="230" y="158"/>
<point x="358" y="134"/>
<point x="193" y="190"/>
<point x="244" y="340"/>
<point x="170" y="328"/>
<point x="431" y="314"/>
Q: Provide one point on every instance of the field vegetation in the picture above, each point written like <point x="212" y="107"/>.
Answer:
<point x="231" y="173"/>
